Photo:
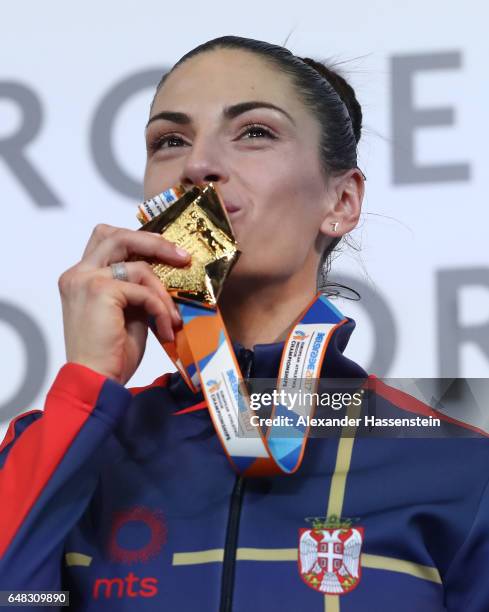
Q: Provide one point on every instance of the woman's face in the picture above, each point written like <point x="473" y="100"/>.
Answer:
<point x="230" y="117"/>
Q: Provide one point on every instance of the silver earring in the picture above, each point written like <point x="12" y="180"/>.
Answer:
<point x="335" y="226"/>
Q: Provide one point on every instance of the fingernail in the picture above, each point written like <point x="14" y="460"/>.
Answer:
<point x="182" y="252"/>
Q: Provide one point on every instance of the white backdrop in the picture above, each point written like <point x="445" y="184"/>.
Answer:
<point x="75" y="86"/>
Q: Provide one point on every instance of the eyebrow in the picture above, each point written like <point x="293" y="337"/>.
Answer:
<point x="230" y="112"/>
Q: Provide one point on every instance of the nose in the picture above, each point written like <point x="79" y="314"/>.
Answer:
<point x="204" y="163"/>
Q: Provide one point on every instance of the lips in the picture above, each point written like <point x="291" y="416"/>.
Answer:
<point x="231" y="208"/>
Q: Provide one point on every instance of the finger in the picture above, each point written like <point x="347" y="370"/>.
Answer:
<point x="141" y="273"/>
<point x="100" y="232"/>
<point x="131" y="294"/>
<point x="121" y="244"/>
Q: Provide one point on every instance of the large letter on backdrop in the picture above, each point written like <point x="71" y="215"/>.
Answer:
<point x="103" y="123"/>
<point x="12" y="147"/>
<point x="36" y="359"/>
<point x="406" y="119"/>
<point x="451" y="333"/>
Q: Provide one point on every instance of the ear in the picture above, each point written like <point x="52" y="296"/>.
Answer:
<point x="347" y="190"/>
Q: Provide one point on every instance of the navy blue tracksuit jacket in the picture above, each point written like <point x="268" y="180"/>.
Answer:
<point x="126" y="499"/>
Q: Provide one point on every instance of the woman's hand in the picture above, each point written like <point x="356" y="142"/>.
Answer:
<point x="105" y="320"/>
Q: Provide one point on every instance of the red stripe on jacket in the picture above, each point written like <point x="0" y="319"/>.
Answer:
<point x="161" y="381"/>
<point x="39" y="450"/>
<point x="407" y="402"/>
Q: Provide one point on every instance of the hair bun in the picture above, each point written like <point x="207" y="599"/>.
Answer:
<point x="344" y="90"/>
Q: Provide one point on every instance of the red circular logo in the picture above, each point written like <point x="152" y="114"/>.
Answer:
<point x="153" y="520"/>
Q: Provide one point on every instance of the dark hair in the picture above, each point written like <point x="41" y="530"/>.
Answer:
<point x="331" y="99"/>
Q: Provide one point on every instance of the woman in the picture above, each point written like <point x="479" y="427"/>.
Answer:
<point x="126" y="499"/>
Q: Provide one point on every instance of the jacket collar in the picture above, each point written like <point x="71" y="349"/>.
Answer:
<point x="264" y="362"/>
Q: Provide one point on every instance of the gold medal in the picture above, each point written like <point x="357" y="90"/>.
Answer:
<point x="197" y="222"/>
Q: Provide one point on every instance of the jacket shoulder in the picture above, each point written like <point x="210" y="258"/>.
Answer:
<point x="161" y="381"/>
<point x="406" y="403"/>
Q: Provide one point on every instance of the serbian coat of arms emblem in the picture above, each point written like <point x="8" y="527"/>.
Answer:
<point x="329" y="555"/>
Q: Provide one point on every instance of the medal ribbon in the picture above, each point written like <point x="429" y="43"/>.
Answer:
<point x="204" y="355"/>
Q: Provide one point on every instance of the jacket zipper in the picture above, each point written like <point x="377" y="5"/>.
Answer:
<point x="231" y="544"/>
<point x="229" y="561"/>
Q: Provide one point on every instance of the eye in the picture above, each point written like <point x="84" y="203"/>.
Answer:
<point x="257" y="131"/>
<point x="166" y="141"/>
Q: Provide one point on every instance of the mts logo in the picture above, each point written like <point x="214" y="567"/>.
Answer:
<point x="130" y="586"/>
